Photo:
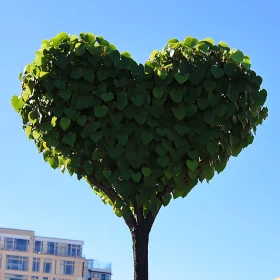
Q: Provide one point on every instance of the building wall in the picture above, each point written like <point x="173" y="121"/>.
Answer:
<point x="54" y="259"/>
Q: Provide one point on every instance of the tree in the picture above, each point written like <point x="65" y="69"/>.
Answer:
<point x="139" y="134"/>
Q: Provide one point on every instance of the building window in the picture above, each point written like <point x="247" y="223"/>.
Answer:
<point x="47" y="266"/>
<point x="104" y="276"/>
<point x="52" y="248"/>
<point x="38" y="246"/>
<point x="16" y="244"/>
<point x="67" y="267"/>
<point x="17" y="263"/>
<point x="45" y="278"/>
<point x="21" y="245"/>
<point x="36" y="265"/>
<point x="62" y="249"/>
<point x="34" y="277"/>
<point x="74" y="250"/>
<point x="0" y="260"/>
<point x="9" y="243"/>
<point x="15" y="277"/>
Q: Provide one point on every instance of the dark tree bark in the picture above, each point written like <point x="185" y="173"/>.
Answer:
<point x="140" y="241"/>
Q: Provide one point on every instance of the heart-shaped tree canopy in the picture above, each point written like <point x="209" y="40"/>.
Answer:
<point x="140" y="134"/>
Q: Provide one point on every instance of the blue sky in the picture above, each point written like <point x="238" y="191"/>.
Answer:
<point x="228" y="229"/>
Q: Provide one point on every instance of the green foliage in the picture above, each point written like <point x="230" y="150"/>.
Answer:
<point x="143" y="132"/>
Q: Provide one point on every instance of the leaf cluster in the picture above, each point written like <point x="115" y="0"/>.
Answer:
<point x="140" y="134"/>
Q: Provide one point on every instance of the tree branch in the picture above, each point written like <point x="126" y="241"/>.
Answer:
<point x="113" y="196"/>
<point x="109" y="192"/>
<point x="139" y="214"/>
<point x="150" y="218"/>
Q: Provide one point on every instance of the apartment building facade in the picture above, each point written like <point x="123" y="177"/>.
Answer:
<point x="24" y="256"/>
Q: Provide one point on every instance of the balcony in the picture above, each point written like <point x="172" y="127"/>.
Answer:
<point x="58" y="249"/>
<point x="15" y="245"/>
<point x="97" y="266"/>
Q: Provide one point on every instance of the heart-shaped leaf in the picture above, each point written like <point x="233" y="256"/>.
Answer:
<point x="116" y="118"/>
<point x="146" y="137"/>
<point x="65" y="94"/>
<point x="115" y="151"/>
<point x="36" y="134"/>
<point x="156" y="111"/>
<point x="221" y="164"/>
<point x="181" y="78"/>
<point x="232" y="93"/>
<point x="190" y="110"/>
<point x="179" y="112"/>
<point x="217" y="71"/>
<point x="161" y="151"/>
<point x="158" y="92"/>
<point x="192" y="164"/>
<point x="77" y="73"/>
<point x="224" y="45"/>
<point x="209" y="86"/>
<point x="17" y="103"/>
<point x="237" y="56"/>
<point x="96" y="155"/>
<point x="53" y="162"/>
<point x="102" y="75"/>
<point x="60" y="83"/>
<point x="202" y="103"/>
<point x="107" y="173"/>
<point x="65" y="122"/>
<point x="141" y="117"/>
<point x="70" y="112"/>
<point x="122" y="139"/>
<point x="197" y="76"/>
<point x="88" y="167"/>
<point x="230" y="68"/>
<point x="213" y="147"/>
<point x="137" y="100"/>
<point x="193" y="154"/>
<point x="88" y="74"/>
<point x="96" y="136"/>
<point x="163" y="161"/>
<point x="136" y="177"/>
<point x="162" y="131"/>
<point x="122" y="100"/>
<point x="100" y="111"/>
<point x="81" y="120"/>
<point x="166" y="144"/>
<point x="176" y="96"/>
<point x="69" y="138"/>
<point x="146" y="171"/>
<point x="28" y="130"/>
<point x="220" y="110"/>
<point x="182" y="129"/>
<point x="193" y="174"/>
<point x="107" y="96"/>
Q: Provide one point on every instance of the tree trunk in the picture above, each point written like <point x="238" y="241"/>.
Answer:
<point x="140" y="239"/>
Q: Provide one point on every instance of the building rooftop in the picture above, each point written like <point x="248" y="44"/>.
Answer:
<point x="95" y="265"/>
<point x="55" y="239"/>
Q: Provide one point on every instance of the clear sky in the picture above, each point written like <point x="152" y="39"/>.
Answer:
<point x="229" y="229"/>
